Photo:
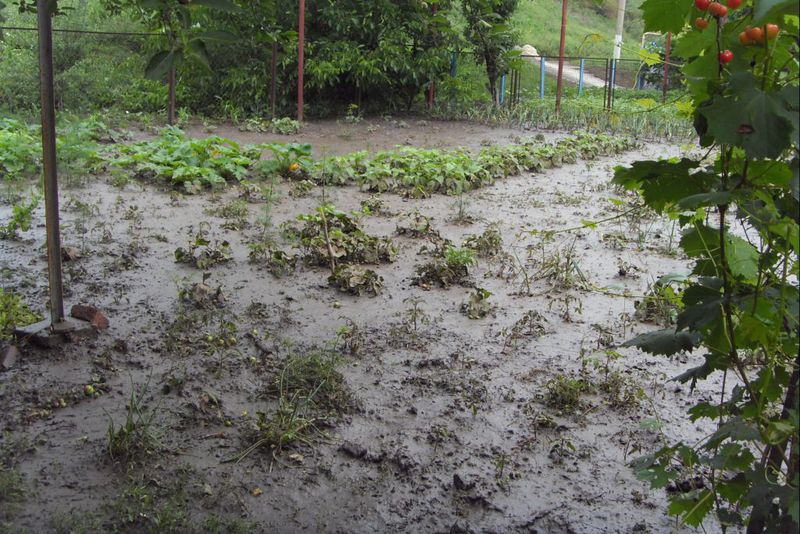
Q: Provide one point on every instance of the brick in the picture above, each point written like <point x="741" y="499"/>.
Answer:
<point x="90" y="314"/>
<point x="8" y="356"/>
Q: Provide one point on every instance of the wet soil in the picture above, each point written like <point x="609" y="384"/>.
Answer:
<point x="453" y="432"/>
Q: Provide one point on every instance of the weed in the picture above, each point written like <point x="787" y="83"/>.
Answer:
<point x="21" y="218"/>
<point x="477" y="306"/>
<point x="136" y="437"/>
<point x="374" y="205"/>
<point x="14" y="314"/>
<point x="564" y="393"/>
<point x="12" y="492"/>
<point x="202" y="253"/>
<point x="355" y="280"/>
<point x="417" y="225"/>
<point x="561" y="268"/>
<point x="662" y="302"/>
<point x="452" y="268"/>
<point x="302" y="188"/>
<point x="235" y="214"/>
<point x="489" y="244"/>
<point x="461" y="211"/>
<point x="353" y="115"/>
<point x="532" y="325"/>
<point x="415" y="317"/>
<point x="276" y="261"/>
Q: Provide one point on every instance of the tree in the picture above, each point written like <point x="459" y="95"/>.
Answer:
<point x="739" y="205"/>
<point x="488" y="31"/>
<point x="182" y="25"/>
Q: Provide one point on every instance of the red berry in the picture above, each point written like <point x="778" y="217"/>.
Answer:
<point x="772" y="30"/>
<point x="702" y="5"/>
<point x="733" y="4"/>
<point x="717" y="9"/>
<point x="701" y="23"/>
<point x="726" y="56"/>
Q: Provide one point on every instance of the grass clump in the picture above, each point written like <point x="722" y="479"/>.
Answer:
<point x="136" y="437"/>
<point x="451" y="268"/>
<point x="14" y="314"/>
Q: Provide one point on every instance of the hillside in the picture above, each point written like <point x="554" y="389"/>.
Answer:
<point x="590" y="28"/>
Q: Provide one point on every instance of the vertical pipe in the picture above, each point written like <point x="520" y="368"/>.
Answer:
<point x="620" y="27"/>
<point x="665" y="83"/>
<point x="454" y="65"/>
<point x="49" y="161"/>
<point x="172" y="79"/>
<point x="541" y="77"/>
<point x="580" y="76"/>
<point x="273" y="90"/>
<point x="613" y="86"/>
<point x="560" y="78"/>
<point x="502" y="89"/>
<point x="301" y="43"/>
<point x="431" y="91"/>
<point x="607" y="77"/>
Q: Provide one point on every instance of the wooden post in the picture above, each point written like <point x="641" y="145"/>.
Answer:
<point x="559" y="80"/>
<point x="273" y="90"/>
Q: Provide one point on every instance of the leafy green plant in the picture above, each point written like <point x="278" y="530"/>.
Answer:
<point x="276" y="261"/>
<point x="21" y="218"/>
<point x="14" y="314"/>
<point x="330" y="237"/>
<point x="190" y="163"/>
<point x="488" y="244"/>
<point x="288" y="160"/>
<point x="202" y="253"/>
<point x="739" y="303"/>
<point x="137" y="436"/>
<point x="452" y="267"/>
<point x="477" y="305"/>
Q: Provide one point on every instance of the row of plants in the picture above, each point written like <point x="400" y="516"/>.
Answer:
<point x="421" y="172"/>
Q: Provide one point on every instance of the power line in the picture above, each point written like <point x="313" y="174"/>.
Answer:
<point x="91" y="32"/>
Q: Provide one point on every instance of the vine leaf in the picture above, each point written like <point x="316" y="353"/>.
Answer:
<point x="692" y="508"/>
<point x="665" y="342"/>
<point x="759" y="121"/>
<point x="665" y="15"/>
<point x="664" y="183"/>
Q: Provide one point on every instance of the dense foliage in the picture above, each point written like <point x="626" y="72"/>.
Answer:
<point x="738" y="205"/>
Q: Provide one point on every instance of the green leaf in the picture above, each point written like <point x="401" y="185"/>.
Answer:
<point x="665" y="182"/>
<point x="219" y="5"/>
<point x="218" y="36"/>
<point x="159" y="65"/>
<point x="742" y="258"/>
<point x="705" y="199"/>
<point x="648" y="57"/>
<point x="666" y="342"/>
<point x="692" y="508"/>
<point x="759" y="121"/>
<point x="197" y="50"/>
<point x="771" y="10"/>
<point x="665" y="15"/>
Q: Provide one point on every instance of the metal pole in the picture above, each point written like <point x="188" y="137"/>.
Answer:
<point x="620" y="27"/>
<point x="580" y="78"/>
<point x="605" y="86"/>
<point x="559" y="79"/>
<point x="454" y="65"/>
<point x="301" y="41"/>
<point x="665" y="82"/>
<point x="502" y="89"/>
<point x="49" y="161"/>
<point x="541" y="77"/>
<point x="613" y="86"/>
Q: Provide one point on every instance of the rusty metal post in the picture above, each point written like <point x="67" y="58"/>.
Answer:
<point x="665" y="81"/>
<point x="560" y="78"/>
<point x="49" y="161"/>
<point x="301" y="43"/>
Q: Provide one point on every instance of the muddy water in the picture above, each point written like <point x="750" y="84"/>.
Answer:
<point x="446" y="439"/>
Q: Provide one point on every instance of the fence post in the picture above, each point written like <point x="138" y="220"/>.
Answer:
<point x="613" y="87"/>
<point x="502" y="89"/>
<point x="580" y="77"/>
<point x="541" y="77"/>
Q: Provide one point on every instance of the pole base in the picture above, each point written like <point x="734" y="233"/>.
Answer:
<point x="48" y="335"/>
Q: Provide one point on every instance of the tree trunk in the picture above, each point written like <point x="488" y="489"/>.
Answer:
<point x="171" y="80"/>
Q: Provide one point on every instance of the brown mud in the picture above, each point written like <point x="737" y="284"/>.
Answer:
<point x="453" y="431"/>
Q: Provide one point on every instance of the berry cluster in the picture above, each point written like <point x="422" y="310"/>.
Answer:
<point x="748" y="36"/>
